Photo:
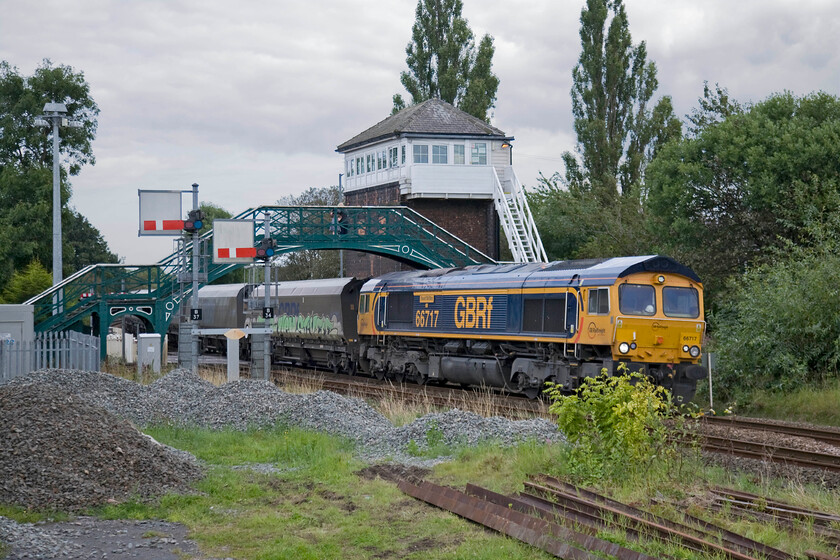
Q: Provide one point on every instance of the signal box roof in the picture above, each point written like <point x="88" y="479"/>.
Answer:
<point x="431" y="118"/>
<point x="558" y="274"/>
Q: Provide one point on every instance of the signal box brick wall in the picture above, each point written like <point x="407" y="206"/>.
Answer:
<point x="472" y="220"/>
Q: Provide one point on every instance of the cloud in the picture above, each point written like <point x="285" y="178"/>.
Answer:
<point x="250" y="100"/>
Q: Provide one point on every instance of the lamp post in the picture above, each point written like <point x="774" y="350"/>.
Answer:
<point x="55" y="115"/>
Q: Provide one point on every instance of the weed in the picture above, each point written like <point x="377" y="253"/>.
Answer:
<point x="616" y="427"/>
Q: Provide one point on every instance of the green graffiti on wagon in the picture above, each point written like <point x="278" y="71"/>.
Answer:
<point x="307" y="324"/>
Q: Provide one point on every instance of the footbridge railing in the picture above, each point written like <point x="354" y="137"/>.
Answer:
<point x="154" y="291"/>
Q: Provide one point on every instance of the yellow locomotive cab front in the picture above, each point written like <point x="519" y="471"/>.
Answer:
<point x="659" y="324"/>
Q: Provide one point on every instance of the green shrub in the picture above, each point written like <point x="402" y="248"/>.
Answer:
<point x="615" y="427"/>
<point x="781" y="328"/>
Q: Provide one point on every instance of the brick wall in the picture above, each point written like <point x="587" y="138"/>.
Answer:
<point x="474" y="221"/>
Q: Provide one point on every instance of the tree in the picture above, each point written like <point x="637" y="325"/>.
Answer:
<point x="618" y="131"/>
<point x="24" y="144"/>
<point x="27" y="282"/>
<point x="212" y="212"/>
<point x="26" y="169"/>
<point x="748" y="182"/>
<point x="443" y="62"/>
<point x="305" y="265"/>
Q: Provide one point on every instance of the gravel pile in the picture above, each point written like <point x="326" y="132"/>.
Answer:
<point x="182" y="397"/>
<point x="59" y="451"/>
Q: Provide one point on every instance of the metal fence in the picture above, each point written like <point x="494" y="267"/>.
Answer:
<point x="66" y="350"/>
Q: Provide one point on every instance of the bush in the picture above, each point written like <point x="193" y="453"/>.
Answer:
<point x="615" y="426"/>
<point x="781" y="328"/>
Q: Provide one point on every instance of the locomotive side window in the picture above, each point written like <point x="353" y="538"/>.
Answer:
<point x="400" y="306"/>
<point x="681" y="302"/>
<point x="599" y="301"/>
<point x="636" y="299"/>
<point x="364" y="304"/>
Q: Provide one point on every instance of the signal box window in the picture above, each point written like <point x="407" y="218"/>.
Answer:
<point x="681" y="302"/>
<point x="599" y="301"/>
<point x="458" y="157"/>
<point x="393" y="154"/>
<point x="421" y="154"/>
<point x="440" y="154"/>
<point x="478" y="154"/>
<point x="636" y="299"/>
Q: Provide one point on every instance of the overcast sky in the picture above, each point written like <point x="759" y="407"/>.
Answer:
<point x="249" y="99"/>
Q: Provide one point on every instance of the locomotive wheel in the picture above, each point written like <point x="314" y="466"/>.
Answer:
<point x="416" y="376"/>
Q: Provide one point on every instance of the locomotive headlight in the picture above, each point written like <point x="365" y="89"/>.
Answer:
<point x="694" y="351"/>
<point x="623" y="347"/>
<point x="660" y="279"/>
<point x="685" y="348"/>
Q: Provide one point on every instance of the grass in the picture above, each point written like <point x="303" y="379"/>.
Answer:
<point x="320" y="504"/>
<point x="808" y="404"/>
<point x="317" y="507"/>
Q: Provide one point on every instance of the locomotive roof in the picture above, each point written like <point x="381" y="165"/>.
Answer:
<point x="584" y="272"/>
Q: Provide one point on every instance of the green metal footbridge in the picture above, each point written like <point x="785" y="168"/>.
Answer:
<point x="99" y="294"/>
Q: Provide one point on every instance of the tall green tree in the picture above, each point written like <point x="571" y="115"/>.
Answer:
<point x="26" y="169"/>
<point x="748" y="182"/>
<point x="22" y="99"/>
<point x="618" y="127"/>
<point x="443" y="61"/>
<point x="306" y="265"/>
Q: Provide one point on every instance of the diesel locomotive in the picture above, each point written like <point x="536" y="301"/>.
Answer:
<point x="512" y="326"/>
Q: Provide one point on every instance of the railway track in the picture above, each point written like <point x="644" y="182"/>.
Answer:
<point x="825" y="434"/>
<point x="774" y="453"/>
<point x="490" y="403"/>
<point x="482" y="401"/>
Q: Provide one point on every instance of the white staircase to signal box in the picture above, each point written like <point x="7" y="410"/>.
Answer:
<point x="516" y="218"/>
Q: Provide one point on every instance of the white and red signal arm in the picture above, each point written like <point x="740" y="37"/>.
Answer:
<point x="160" y="213"/>
<point x="233" y="241"/>
<point x="236" y="252"/>
<point x="163" y="225"/>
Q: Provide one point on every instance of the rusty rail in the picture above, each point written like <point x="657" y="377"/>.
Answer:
<point x="720" y="542"/>
<point x="565" y="520"/>
<point x="550" y="537"/>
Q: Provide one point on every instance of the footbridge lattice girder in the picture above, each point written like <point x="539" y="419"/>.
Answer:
<point x="154" y="292"/>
